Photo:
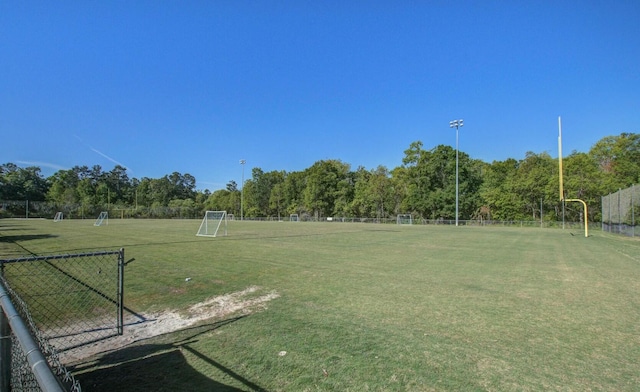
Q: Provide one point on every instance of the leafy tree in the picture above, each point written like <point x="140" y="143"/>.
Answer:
<point x="232" y="186"/>
<point x="535" y="181"/>
<point x="181" y="186"/>
<point x="430" y="182"/>
<point x="400" y="181"/>
<point x="497" y="193"/>
<point x="417" y="180"/>
<point x="323" y="186"/>
<point x="22" y="183"/>
<point x="583" y="180"/>
<point x="619" y="158"/>
<point x="293" y="190"/>
<point x="361" y="204"/>
<point x="344" y="195"/>
<point x="380" y="192"/>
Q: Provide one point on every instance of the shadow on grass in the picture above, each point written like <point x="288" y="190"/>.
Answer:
<point x="17" y="239"/>
<point x="24" y="237"/>
<point x="159" y="366"/>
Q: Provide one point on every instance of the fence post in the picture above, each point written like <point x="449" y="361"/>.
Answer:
<point x="121" y="292"/>
<point x="5" y="348"/>
<point x="5" y="353"/>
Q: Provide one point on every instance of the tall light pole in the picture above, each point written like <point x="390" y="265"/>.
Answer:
<point x="456" y="124"/>
<point x="242" y="162"/>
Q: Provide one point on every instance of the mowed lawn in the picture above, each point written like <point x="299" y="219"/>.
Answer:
<point x="367" y="307"/>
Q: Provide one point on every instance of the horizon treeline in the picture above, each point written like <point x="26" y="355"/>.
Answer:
<point x="423" y="185"/>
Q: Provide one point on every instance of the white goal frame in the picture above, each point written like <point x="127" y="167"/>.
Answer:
<point x="211" y="224"/>
<point x="404" y="219"/>
<point x="104" y="216"/>
<point x="294" y="218"/>
<point x="59" y="216"/>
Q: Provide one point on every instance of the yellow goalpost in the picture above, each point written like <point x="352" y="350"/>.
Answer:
<point x="562" y="199"/>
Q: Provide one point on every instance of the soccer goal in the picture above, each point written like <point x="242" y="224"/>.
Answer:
<point x="293" y="218"/>
<point x="103" y="218"/>
<point x="59" y="216"/>
<point x="404" y="219"/>
<point x="211" y="224"/>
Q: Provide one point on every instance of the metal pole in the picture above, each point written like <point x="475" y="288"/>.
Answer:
<point x="457" y="176"/>
<point x="633" y="213"/>
<point x="456" y="124"/>
<point x="609" y="198"/>
<point x="619" y="212"/>
<point x="5" y="348"/>
<point x="5" y="353"/>
<point x="37" y="361"/>
<point x="121" y="292"/>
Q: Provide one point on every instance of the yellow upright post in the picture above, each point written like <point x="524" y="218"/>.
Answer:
<point x="584" y="204"/>
<point x="560" y="157"/>
<point x="586" y="221"/>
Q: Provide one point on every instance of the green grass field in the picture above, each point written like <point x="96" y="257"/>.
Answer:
<point x="365" y="307"/>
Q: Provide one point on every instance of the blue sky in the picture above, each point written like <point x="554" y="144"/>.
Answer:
<point x="195" y="86"/>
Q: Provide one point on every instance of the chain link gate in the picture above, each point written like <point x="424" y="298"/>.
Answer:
<point x="66" y="301"/>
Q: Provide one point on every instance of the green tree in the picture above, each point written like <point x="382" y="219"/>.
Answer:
<point x="323" y="186"/>
<point x="293" y="190"/>
<point x="380" y="193"/>
<point x="535" y="180"/>
<point x="583" y="180"/>
<point x="499" y="200"/>
<point x="619" y="158"/>
<point x="22" y="183"/>
<point x="361" y="205"/>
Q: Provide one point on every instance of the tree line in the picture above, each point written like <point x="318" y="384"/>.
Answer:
<point x="423" y="185"/>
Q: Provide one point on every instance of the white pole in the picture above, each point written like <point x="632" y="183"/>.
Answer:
<point x="456" y="175"/>
<point x="456" y="124"/>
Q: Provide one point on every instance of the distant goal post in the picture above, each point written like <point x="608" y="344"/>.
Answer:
<point x="103" y="218"/>
<point x="212" y="223"/>
<point x="404" y="219"/>
<point x="59" y="216"/>
<point x="294" y="218"/>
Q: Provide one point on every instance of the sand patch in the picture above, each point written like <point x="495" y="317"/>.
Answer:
<point x="143" y="326"/>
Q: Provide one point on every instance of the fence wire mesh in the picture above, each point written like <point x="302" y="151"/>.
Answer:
<point x="20" y="374"/>
<point x="67" y="301"/>
<point x="620" y="211"/>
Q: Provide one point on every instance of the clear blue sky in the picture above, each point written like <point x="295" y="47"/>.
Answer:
<point x="195" y="86"/>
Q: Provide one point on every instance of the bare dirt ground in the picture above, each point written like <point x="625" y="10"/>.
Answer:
<point x="142" y="327"/>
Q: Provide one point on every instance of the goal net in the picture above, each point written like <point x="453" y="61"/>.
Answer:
<point x="293" y="218"/>
<point x="404" y="219"/>
<point x="211" y="224"/>
<point x="103" y="218"/>
<point x="59" y="216"/>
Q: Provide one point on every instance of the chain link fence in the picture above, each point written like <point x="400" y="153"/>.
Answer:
<point x="48" y="210"/>
<point x="66" y="301"/>
<point x="620" y="211"/>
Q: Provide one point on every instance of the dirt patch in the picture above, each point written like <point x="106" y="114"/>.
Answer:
<point x="143" y="326"/>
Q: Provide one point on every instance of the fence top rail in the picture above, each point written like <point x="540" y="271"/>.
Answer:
<point x="61" y="256"/>
<point x="36" y="359"/>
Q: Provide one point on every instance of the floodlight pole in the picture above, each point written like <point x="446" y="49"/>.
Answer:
<point x="242" y="162"/>
<point x="456" y="124"/>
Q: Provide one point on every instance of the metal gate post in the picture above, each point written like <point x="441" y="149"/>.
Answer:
<point x="121" y="292"/>
<point x="5" y="353"/>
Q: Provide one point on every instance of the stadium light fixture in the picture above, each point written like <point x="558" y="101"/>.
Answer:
<point x="456" y="124"/>
<point x="242" y="162"/>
